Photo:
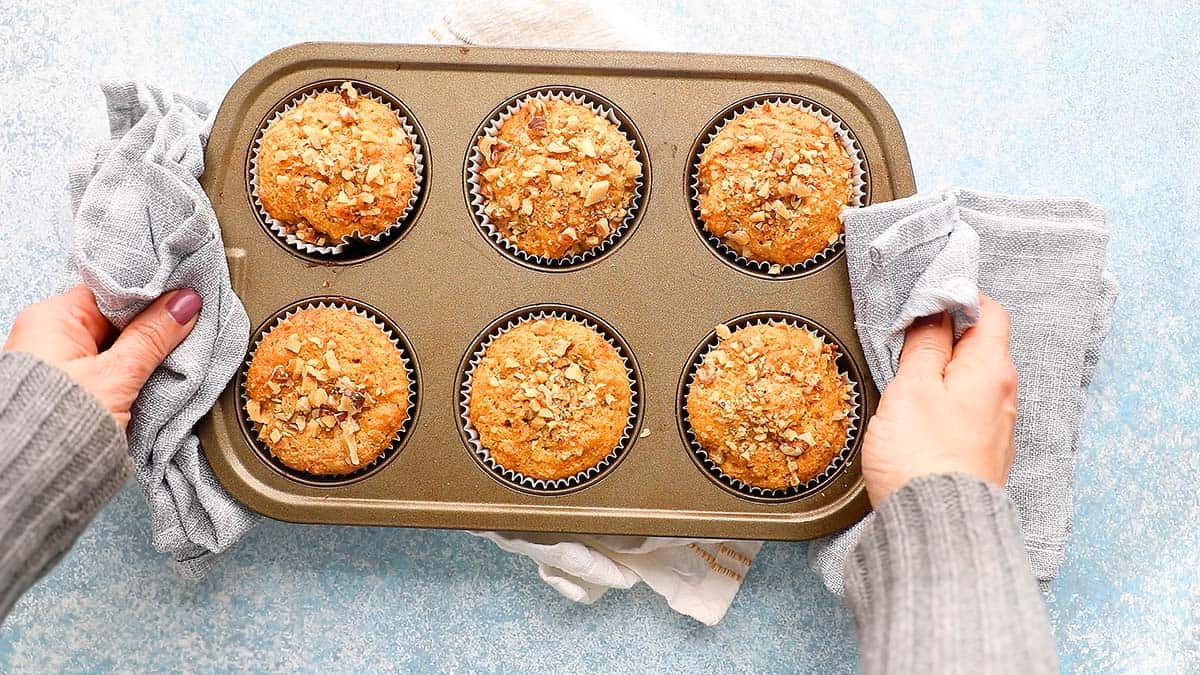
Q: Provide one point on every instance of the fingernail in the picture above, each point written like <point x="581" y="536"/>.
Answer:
<point x="931" y="321"/>
<point x="184" y="306"/>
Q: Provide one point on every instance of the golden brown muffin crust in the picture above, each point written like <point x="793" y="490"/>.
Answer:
<point x="336" y="164"/>
<point x="328" y="391"/>
<point x="557" y="178"/>
<point x="769" y="406"/>
<point x="772" y="183"/>
<point x="550" y="398"/>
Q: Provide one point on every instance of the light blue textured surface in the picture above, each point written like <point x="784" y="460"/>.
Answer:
<point x="1043" y="99"/>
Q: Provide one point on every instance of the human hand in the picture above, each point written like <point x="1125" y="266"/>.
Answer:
<point x="950" y="408"/>
<point x="69" y="332"/>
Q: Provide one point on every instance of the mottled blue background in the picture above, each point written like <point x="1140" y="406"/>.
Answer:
<point x="1046" y="98"/>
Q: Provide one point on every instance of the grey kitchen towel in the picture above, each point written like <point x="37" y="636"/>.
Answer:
<point x="1043" y="259"/>
<point x="142" y="227"/>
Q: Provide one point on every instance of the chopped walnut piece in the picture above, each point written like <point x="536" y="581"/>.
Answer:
<point x="596" y="193"/>
<point x="332" y="361"/>
<point x="351" y="447"/>
<point x="574" y="373"/>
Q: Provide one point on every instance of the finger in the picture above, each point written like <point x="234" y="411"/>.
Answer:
<point x="928" y="343"/>
<point x="986" y="342"/>
<point x="81" y="304"/>
<point x="151" y="336"/>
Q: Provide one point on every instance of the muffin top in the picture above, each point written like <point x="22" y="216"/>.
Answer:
<point x="327" y="390"/>
<point x="556" y="177"/>
<point x="769" y="406"/>
<point x="550" y="398"/>
<point x="772" y="183"/>
<point x="336" y="164"/>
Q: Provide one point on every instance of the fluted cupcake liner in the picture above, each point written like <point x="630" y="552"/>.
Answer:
<point x="858" y="178"/>
<point x="741" y="487"/>
<point x="401" y="346"/>
<point x="475" y="162"/>
<point x="530" y="483"/>
<point x="282" y="230"/>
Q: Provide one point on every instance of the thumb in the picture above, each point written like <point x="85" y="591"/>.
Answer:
<point x="151" y="336"/>
<point x="928" y="344"/>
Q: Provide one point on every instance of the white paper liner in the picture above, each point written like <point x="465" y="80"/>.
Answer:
<point x="478" y="201"/>
<point x="400" y="346"/>
<point x="839" y="459"/>
<point x="516" y="477"/>
<point x="280" y="229"/>
<point x="858" y="182"/>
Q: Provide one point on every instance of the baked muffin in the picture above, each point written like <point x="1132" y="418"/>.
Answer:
<point x="334" y="165"/>
<point x="769" y="406"/>
<point x="557" y="179"/>
<point x="550" y="398"/>
<point x="327" y="391"/>
<point x="772" y="183"/>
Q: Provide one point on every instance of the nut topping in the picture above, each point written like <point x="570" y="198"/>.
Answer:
<point x="549" y="388"/>
<point x="596" y="193"/>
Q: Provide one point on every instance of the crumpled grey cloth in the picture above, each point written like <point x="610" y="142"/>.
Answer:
<point x="143" y="226"/>
<point x="1043" y="259"/>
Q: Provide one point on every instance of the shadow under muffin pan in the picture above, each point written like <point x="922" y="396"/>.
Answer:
<point x="353" y="249"/>
<point x="846" y="366"/>
<point x="657" y="291"/>
<point x="249" y="428"/>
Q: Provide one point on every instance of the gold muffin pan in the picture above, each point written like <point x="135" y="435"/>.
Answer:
<point x="441" y="284"/>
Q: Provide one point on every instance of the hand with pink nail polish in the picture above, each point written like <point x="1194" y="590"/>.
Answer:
<point x="69" y="332"/>
<point x="950" y="409"/>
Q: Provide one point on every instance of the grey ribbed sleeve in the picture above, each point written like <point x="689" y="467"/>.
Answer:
<point x="61" y="458"/>
<point x="940" y="582"/>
